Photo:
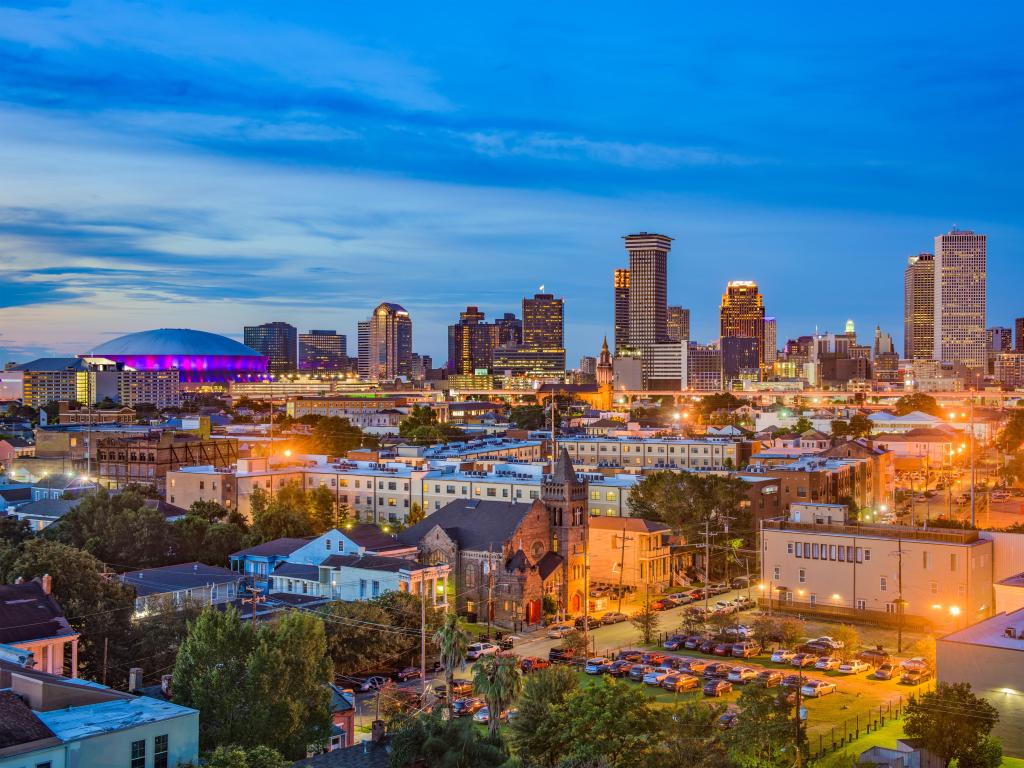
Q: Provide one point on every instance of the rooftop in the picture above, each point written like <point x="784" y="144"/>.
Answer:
<point x="173" y="341"/>
<point x="994" y="632"/>
<point x="28" y="613"/>
<point x="474" y="524"/>
<point x="93" y="719"/>
<point x="637" y="524"/>
<point x="19" y="725"/>
<point x="171" y="578"/>
<point x="52" y="364"/>
<point x="374" y="563"/>
<point x="906" y="532"/>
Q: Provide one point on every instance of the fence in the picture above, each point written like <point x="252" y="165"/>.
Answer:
<point x="834" y="738"/>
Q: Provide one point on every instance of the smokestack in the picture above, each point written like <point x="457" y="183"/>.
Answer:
<point x="47" y="583"/>
<point x="134" y="679"/>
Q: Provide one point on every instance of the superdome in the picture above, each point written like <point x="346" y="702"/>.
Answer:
<point x="200" y="356"/>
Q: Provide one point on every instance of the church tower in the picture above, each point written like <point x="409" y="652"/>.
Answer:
<point x="605" y="369"/>
<point x="565" y="497"/>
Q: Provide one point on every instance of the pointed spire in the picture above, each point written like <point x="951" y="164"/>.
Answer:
<point x="604" y="344"/>
<point x="564" y="472"/>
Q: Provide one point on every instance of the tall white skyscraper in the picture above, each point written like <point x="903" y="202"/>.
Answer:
<point x="771" y="341"/>
<point x="960" y="275"/>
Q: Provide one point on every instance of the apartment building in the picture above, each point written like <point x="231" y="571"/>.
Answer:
<point x="827" y="481"/>
<point x="345" y="406"/>
<point x="146" y="459"/>
<point x="631" y="552"/>
<point x="942" y="577"/>
<point x="648" y="453"/>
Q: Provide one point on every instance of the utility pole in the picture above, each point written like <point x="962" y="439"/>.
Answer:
<point x="423" y="636"/>
<point x="707" y="566"/>
<point x="490" y="589"/>
<point x="799" y="725"/>
<point x="255" y="598"/>
<point x="622" y="563"/>
<point x="899" y="594"/>
<point x="106" y="643"/>
<point x="971" y="425"/>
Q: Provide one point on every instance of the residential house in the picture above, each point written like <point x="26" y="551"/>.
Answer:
<point x="31" y="621"/>
<point x="177" y="584"/>
<point x="630" y="552"/>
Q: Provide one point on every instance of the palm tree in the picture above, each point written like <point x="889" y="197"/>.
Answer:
<point x="500" y="681"/>
<point x="452" y="640"/>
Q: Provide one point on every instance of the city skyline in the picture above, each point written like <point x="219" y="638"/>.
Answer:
<point x="356" y="171"/>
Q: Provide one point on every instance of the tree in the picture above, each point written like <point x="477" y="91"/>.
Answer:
<point x="415" y="514"/>
<point x="950" y="721"/>
<point x="239" y="757"/>
<point x="918" y="401"/>
<point x="613" y="724"/>
<point x="433" y="742"/>
<point x="156" y="637"/>
<point x="791" y="629"/>
<point x="686" y="501"/>
<point x="500" y="681"/>
<point x="336" y="436"/>
<point x="840" y="428"/>
<point x="802" y="425"/>
<point x="646" y="620"/>
<point x="452" y="641"/>
<point x="264" y="685"/>
<point x="577" y="642"/>
<point x="284" y="516"/>
<point x="529" y="417"/>
<point x="925" y="648"/>
<point x="849" y="637"/>
<point x="987" y="753"/>
<point x="320" y="509"/>
<point x="210" y="511"/>
<point x="693" y="737"/>
<point x="537" y="731"/>
<point x="13" y="531"/>
<point x="422" y="426"/>
<point x="96" y="607"/>
<point x="764" y="733"/>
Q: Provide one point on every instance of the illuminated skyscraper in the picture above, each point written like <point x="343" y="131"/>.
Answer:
<point x="771" y="341"/>
<point x="648" y="289"/>
<point x="543" y="322"/>
<point x="919" y="307"/>
<point x="621" y="309"/>
<point x="278" y="342"/>
<point x="471" y="342"/>
<point x="742" y="314"/>
<point x="322" y="351"/>
<point x="960" y="275"/>
<point x="389" y="343"/>
<point x="677" y="324"/>
<point x="363" y="360"/>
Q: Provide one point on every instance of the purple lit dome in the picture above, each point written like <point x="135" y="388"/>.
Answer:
<point x="200" y="356"/>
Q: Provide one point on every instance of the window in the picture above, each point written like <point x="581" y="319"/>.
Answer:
<point x="882" y="583"/>
<point x="952" y="562"/>
<point x="807" y="550"/>
<point x="375" y="585"/>
<point x="799" y="552"/>
<point x="842" y="554"/>
<point x="327" y="544"/>
<point x="776" y="573"/>
<point x="926" y="559"/>
<point x="789" y="547"/>
<point x="831" y="551"/>
<point x="861" y="604"/>
<point x="595" y="495"/>
<point x="934" y="587"/>
<point x="160" y="751"/>
<point x="814" y="599"/>
<point x="802" y="578"/>
<point x="138" y="754"/>
<point x="814" y="551"/>
<point x="867" y="554"/>
<point x="492" y="492"/>
<point x="961" y="590"/>
<point x="860" y="555"/>
<point x="362" y="589"/>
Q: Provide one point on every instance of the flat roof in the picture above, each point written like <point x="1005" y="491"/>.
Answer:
<point x="94" y="719"/>
<point x="991" y="632"/>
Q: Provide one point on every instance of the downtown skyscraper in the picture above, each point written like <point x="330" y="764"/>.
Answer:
<point x="278" y="342"/>
<point x="621" y="285"/>
<point x="960" y="281"/>
<point x="919" y="307"/>
<point x="388" y="349"/>
<point x="648" y="289"/>
<point x="742" y="314"/>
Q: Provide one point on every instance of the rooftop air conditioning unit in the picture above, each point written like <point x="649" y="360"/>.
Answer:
<point x="1010" y="632"/>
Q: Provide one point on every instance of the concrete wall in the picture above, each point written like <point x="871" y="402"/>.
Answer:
<point x="113" y="750"/>
<point x="996" y="674"/>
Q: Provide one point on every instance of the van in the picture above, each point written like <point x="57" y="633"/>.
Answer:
<point x="746" y="649"/>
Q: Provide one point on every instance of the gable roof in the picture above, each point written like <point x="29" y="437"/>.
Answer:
<point x="374" y="563"/>
<point x="16" y="494"/>
<point x="549" y="564"/>
<point x="471" y="523"/>
<point x="370" y="537"/>
<point x="51" y="509"/>
<point x="298" y="571"/>
<point x="19" y="724"/>
<point x="277" y="547"/>
<point x="28" y="613"/>
<point x="171" y="578"/>
<point x="636" y="524"/>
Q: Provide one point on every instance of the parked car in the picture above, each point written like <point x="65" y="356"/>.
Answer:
<point x="561" y="655"/>
<point x="680" y="681"/>
<point x="533" y="663"/>
<point x="817" y="688"/>
<point x="697" y="666"/>
<point x="460" y="689"/>
<point x="717" y="688"/>
<point x="854" y="667"/>
<point x="793" y="681"/>
<point x="740" y="631"/>
<point x="613" y="617"/>
<point x="373" y="682"/>
<point x="674" y="643"/>
<point x="707" y="646"/>
<point x="507" y="642"/>
<point x="407" y="673"/>
<point x="680" y="598"/>
<point x="661" y="605"/>
<point x="746" y="649"/>
<point x="742" y="675"/>
<point x="829" y="642"/>
<point x="828" y="663"/>
<point x="729" y="719"/>
<point x="769" y="678"/>
<point x="917" y="662"/>
<point x="804" y="660"/>
<point x="476" y="650"/>
<point x="656" y="676"/>
<point x="718" y="669"/>
<point x="875" y="656"/>
<point x="638" y="671"/>
<point x="915" y="676"/>
<point x="693" y="642"/>
<point x="630" y="655"/>
<point x="559" y="630"/>
<point x="718" y="589"/>
<point x="483" y="715"/>
<point x="620" y="668"/>
<point x="653" y="657"/>
<point x="603" y="669"/>
<point x="782" y="656"/>
<point x="885" y="671"/>
<point x="593" y="666"/>
<point x="468" y="706"/>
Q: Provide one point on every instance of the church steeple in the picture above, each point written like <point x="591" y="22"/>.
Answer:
<point x="605" y="368"/>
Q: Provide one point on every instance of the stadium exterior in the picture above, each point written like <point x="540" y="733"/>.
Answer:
<point x="200" y="357"/>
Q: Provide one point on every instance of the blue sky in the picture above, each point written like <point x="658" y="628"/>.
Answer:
<point x="214" y="165"/>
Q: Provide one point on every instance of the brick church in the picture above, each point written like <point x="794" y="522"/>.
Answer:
<point x="510" y="555"/>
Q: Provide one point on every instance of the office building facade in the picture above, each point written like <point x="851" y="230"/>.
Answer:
<point x="771" y="341"/>
<point x="472" y="341"/>
<point x="702" y="367"/>
<point x="742" y="314"/>
<point x="648" y="289"/>
<point x="621" y="281"/>
<point x="389" y="343"/>
<point x="678" y="324"/>
<point x="323" y="351"/>
<point x="960" y="302"/>
<point x="919" y="307"/>
<point x="278" y="342"/>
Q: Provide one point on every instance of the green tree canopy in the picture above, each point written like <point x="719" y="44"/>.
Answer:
<point x="950" y="721"/>
<point x="336" y="436"/>
<point x="434" y="742"/>
<point x="240" y="757"/>
<point x="422" y="426"/>
<point x="500" y="681"/>
<point x="686" y="500"/>
<point x="764" y="734"/>
<point x="917" y="401"/>
<point x="529" y="417"/>
<point x="537" y="733"/>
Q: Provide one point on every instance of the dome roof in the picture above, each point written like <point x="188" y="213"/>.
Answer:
<point x="173" y="341"/>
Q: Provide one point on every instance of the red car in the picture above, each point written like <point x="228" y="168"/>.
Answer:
<point x="723" y="649"/>
<point x="533" y="663"/>
<point x="661" y="605"/>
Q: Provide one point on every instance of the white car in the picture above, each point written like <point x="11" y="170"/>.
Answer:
<point x="829" y="642"/>
<point x="560" y="630"/>
<point x="854" y="667"/>
<point x="476" y="650"/>
<point x="828" y="663"/>
<point x="742" y="675"/>
<point x="782" y="656"/>
<point x="817" y="688"/>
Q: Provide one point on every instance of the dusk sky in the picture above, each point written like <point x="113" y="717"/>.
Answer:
<point x="211" y="165"/>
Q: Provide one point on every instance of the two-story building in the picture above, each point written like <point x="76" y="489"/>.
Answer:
<point x="630" y="552"/>
<point x="32" y="622"/>
<point x="182" y="583"/>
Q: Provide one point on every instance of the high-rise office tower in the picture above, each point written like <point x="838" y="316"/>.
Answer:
<point x="648" y="289"/>
<point x="742" y="313"/>
<point x="919" y="307"/>
<point x="1019" y="331"/>
<point x="621" y="310"/>
<point x="509" y="329"/>
<point x="883" y="343"/>
<point x="543" y="322"/>
<point x="471" y="342"/>
<point x="363" y="352"/>
<point x="588" y="365"/>
<point x="322" y="351"/>
<point x="771" y="341"/>
<point x="677" y="323"/>
<point x="389" y="343"/>
<point x="999" y="339"/>
<point x="960" y="275"/>
<point x="278" y="341"/>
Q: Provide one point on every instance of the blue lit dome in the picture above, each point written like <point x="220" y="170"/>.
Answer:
<point x="201" y="357"/>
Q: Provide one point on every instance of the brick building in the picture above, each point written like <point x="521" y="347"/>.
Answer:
<point x="146" y="459"/>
